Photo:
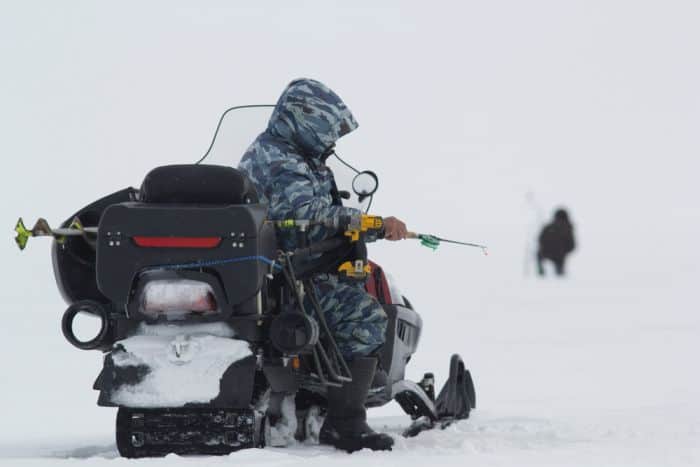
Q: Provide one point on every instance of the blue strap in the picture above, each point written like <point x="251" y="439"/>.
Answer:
<point x="218" y="262"/>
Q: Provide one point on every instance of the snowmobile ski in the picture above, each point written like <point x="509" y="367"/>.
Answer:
<point x="454" y="402"/>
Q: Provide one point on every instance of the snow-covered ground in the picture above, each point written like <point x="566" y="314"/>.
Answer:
<point x="464" y="109"/>
<point x="570" y="372"/>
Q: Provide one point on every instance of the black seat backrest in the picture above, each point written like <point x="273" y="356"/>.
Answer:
<point x="197" y="184"/>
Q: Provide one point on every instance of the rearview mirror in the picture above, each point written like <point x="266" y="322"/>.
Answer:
<point x="365" y="184"/>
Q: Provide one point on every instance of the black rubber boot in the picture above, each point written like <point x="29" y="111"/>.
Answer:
<point x="346" y="426"/>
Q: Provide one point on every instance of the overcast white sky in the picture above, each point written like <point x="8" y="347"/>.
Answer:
<point x="464" y="107"/>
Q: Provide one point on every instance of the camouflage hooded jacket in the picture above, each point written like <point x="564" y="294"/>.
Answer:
<point x="286" y="162"/>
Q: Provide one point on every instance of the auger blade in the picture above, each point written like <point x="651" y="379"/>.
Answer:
<point x="42" y="229"/>
<point x="76" y="224"/>
<point x="22" y="234"/>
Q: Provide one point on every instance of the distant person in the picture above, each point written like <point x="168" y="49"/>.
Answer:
<point x="556" y="241"/>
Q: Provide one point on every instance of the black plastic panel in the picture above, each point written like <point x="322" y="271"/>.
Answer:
<point x="120" y="260"/>
<point x="74" y="260"/>
<point x="236" y="386"/>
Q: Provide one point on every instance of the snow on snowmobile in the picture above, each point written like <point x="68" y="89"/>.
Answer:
<point x="213" y="339"/>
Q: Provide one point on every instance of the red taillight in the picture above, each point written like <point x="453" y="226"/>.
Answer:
<point x="177" y="242"/>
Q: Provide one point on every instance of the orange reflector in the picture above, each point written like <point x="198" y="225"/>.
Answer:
<point x="177" y="242"/>
<point x="296" y="363"/>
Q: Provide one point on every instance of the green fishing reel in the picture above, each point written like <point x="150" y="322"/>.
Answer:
<point x="429" y="241"/>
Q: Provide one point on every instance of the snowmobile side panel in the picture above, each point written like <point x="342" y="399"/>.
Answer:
<point x="387" y="357"/>
<point x="74" y="259"/>
<point x="403" y="332"/>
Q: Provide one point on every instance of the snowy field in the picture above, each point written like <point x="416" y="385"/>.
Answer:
<point x="574" y="372"/>
<point x="568" y="372"/>
<point x="464" y="111"/>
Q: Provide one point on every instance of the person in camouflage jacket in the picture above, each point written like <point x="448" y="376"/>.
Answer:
<point x="286" y="163"/>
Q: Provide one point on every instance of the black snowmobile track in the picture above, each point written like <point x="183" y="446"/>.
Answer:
<point x="158" y="432"/>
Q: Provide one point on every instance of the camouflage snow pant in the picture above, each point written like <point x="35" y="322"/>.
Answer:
<point x="357" y="321"/>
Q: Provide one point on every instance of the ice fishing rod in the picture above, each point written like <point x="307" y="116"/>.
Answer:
<point x="221" y="120"/>
<point x="433" y="242"/>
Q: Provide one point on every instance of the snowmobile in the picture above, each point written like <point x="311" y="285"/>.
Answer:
<point x="213" y="339"/>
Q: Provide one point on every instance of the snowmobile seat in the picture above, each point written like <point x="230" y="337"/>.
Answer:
<point x="197" y="184"/>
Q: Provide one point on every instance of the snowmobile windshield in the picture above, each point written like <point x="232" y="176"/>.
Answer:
<point x="311" y="116"/>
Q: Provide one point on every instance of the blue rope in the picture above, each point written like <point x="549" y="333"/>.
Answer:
<point x="218" y="262"/>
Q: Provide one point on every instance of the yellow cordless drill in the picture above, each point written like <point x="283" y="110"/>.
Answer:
<point x="360" y="229"/>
